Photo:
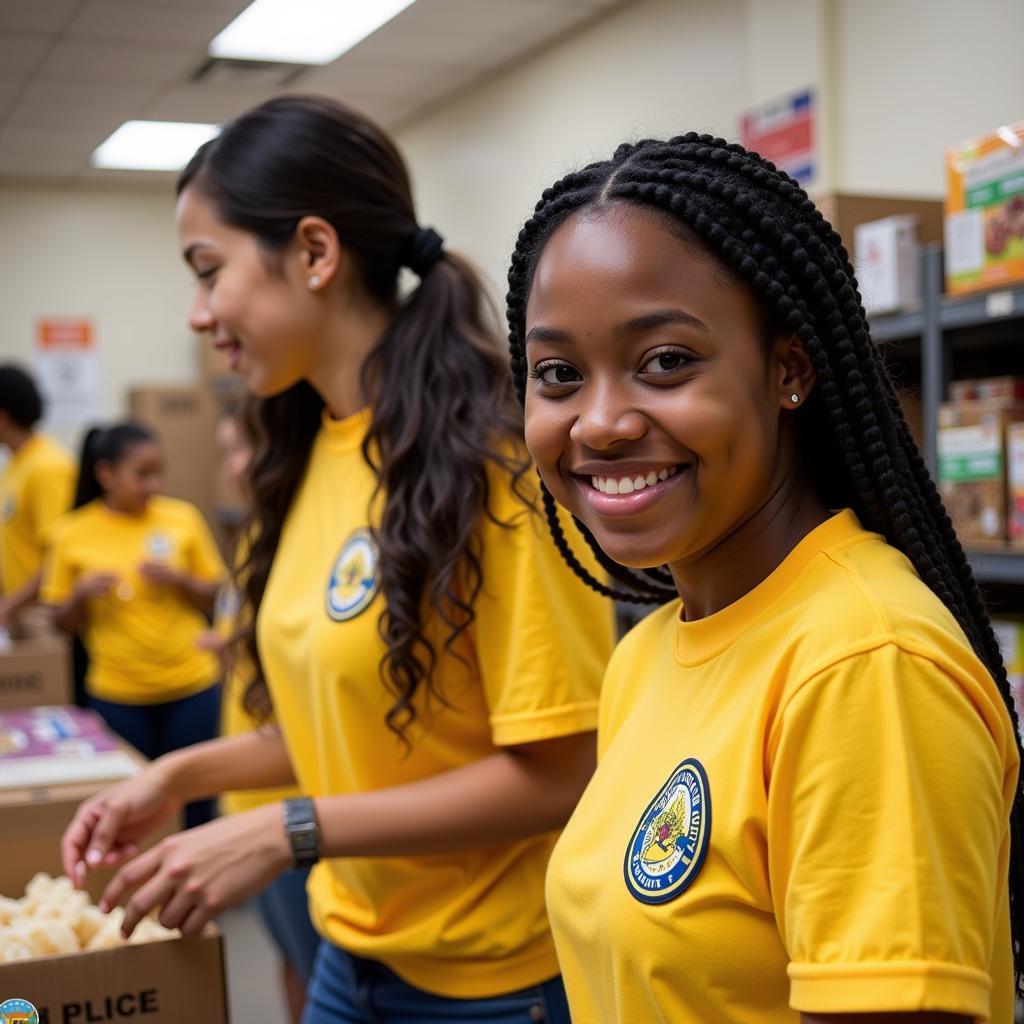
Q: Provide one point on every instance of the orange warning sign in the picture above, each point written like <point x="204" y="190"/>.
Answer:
<point x="65" y="333"/>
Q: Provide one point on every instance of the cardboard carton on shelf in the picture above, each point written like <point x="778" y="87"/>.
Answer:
<point x="988" y="389"/>
<point x="51" y="759"/>
<point x="845" y="211"/>
<point x="972" y="466"/>
<point x="985" y="211"/>
<point x="162" y="982"/>
<point x="35" y="671"/>
<point x="887" y="260"/>
<point x="1010" y="637"/>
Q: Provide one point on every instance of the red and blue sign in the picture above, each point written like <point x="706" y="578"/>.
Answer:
<point x="784" y="132"/>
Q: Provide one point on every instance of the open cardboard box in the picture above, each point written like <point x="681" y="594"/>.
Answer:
<point x="33" y="819"/>
<point x="34" y="672"/>
<point x="169" y="981"/>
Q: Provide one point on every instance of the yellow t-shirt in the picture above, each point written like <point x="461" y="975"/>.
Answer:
<point x="234" y="718"/>
<point x="801" y="805"/>
<point x="466" y="924"/>
<point x="35" y="490"/>
<point x="141" y="638"/>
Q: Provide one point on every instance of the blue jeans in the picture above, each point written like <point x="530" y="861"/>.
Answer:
<point x="284" y="908"/>
<point x="350" y="990"/>
<point x="157" y="729"/>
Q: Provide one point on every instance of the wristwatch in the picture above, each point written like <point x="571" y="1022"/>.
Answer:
<point x="303" y="831"/>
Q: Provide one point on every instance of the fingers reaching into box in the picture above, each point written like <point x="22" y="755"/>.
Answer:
<point x="108" y="828"/>
<point x="192" y="876"/>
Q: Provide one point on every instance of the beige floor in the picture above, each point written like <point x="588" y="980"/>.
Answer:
<point x="254" y="994"/>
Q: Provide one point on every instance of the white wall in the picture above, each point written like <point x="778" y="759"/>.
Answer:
<point x="656" y="68"/>
<point x="109" y="256"/>
<point x="917" y="76"/>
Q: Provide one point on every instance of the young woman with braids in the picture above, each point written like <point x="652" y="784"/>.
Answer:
<point x="806" y="796"/>
<point x="432" y="664"/>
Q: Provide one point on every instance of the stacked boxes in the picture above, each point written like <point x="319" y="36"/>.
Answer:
<point x="981" y="435"/>
<point x="985" y="211"/>
<point x="887" y="259"/>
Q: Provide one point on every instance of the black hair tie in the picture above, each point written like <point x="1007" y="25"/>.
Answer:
<point x="424" y="248"/>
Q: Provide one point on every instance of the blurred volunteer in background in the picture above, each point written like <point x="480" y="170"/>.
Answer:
<point x="135" y="571"/>
<point x="432" y="664"/>
<point x="35" y="489"/>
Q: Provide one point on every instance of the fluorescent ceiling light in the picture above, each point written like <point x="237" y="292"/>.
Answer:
<point x="303" y="31"/>
<point x="152" y="145"/>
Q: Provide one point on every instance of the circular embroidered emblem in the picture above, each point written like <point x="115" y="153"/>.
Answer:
<point x="20" y="1010"/>
<point x="353" y="582"/>
<point x="668" y="847"/>
<point x="159" y="545"/>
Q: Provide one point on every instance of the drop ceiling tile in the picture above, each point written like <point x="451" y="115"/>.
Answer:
<point x="100" y="61"/>
<point x="39" y="141"/>
<point x="10" y="88"/>
<point x="52" y="95"/>
<point x="22" y="51"/>
<point x="35" y="15"/>
<point x="196" y="103"/>
<point x="148" y="24"/>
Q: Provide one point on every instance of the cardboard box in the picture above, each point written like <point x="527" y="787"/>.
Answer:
<point x="988" y="389"/>
<point x="985" y="211"/>
<point x="34" y="672"/>
<point x="1015" y="485"/>
<point x="844" y="211"/>
<point x="972" y="466"/>
<point x="887" y="260"/>
<point x="164" y="982"/>
<point x="184" y="419"/>
<point x="33" y="816"/>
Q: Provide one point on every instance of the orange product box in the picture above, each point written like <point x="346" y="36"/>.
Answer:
<point x="985" y="211"/>
<point x="1015" y="484"/>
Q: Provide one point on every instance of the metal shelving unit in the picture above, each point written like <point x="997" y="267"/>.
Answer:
<point x="931" y="325"/>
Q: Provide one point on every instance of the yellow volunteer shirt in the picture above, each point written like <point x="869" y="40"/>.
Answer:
<point x="801" y="805"/>
<point x="35" y="490"/>
<point x="467" y="924"/>
<point x="141" y="638"/>
<point x="234" y="718"/>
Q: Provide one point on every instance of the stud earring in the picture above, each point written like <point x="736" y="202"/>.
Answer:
<point x="795" y="399"/>
<point x="314" y="281"/>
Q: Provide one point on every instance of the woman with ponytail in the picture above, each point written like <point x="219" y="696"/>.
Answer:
<point x="431" y="664"/>
<point x="806" y="806"/>
<point x="134" y="572"/>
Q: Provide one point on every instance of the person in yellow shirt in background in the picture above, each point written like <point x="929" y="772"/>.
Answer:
<point x="806" y="806"/>
<point x="35" y="490"/>
<point x="135" y="571"/>
<point x="282" y="906"/>
<point x="432" y="664"/>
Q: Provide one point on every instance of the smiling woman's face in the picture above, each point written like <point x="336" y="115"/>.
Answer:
<point x="653" y="405"/>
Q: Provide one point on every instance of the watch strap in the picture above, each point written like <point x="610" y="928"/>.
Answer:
<point x="303" y="830"/>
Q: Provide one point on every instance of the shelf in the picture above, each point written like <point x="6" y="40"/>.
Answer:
<point x="997" y="566"/>
<point x="897" y="326"/>
<point x="984" y="308"/>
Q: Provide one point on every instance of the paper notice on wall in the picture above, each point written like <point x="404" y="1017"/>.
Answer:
<point x="66" y="364"/>
<point x="784" y="132"/>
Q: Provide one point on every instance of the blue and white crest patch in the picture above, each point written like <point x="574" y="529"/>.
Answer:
<point x="354" y="582"/>
<point x="668" y="846"/>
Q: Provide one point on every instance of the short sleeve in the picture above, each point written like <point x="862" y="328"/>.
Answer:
<point x="49" y="496"/>
<point x="204" y="560"/>
<point x="542" y="637"/>
<point x="59" y="572"/>
<point x="890" y="783"/>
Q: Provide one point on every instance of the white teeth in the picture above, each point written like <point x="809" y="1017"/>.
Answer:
<point x="626" y="484"/>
